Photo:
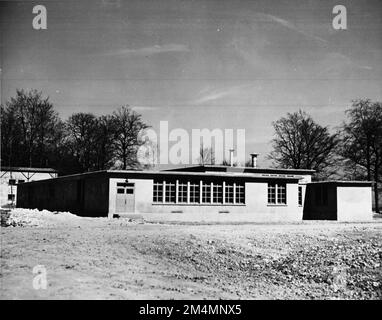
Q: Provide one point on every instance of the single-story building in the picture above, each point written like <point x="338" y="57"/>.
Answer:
<point x="338" y="200"/>
<point x="196" y="193"/>
<point x="12" y="177"/>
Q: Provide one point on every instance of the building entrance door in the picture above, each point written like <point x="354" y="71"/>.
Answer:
<point x="125" y="198"/>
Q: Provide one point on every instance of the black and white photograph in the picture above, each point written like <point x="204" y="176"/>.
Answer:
<point x="206" y="151"/>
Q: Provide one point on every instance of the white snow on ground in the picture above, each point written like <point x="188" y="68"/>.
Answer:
<point x="33" y="217"/>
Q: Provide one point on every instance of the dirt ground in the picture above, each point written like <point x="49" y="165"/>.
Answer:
<point x="97" y="258"/>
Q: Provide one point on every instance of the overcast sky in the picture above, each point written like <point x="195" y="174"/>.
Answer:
<point x="197" y="64"/>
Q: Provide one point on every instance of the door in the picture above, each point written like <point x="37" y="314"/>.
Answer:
<point x="125" y="198"/>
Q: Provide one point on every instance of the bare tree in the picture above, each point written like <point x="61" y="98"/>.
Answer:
<point x="81" y="138"/>
<point x="28" y="128"/>
<point x="206" y="155"/>
<point x="361" y="141"/>
<point x="227" y="163"/>
<point x="127" y="140"/>
<point x="105" y="133"/>
<point x="301" y="143"/>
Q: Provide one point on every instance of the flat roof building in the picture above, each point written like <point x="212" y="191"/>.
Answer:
<point x="195" y="193"/>
<point x="338" y="200"/>
<point x="12" y="177"/>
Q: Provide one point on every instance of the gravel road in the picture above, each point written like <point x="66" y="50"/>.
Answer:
<point x="97" y="258"/>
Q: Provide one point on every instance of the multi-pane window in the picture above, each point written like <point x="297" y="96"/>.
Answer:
<point x="276" y="193"/>
<point x="272" y="193"/>
<point x="240" y="193"/>
<point x="11" y="197"/>
<point x="299" y="195"/>
<point x="158" y="191"/>
<point x="12" y="182"/>
<point x="281" y="193"/>
<point x="229" y="189"/>
<point x="194" y="192"/>
<point x="182" y="192"/>
<point x="217" y="194"/>
<point x="170" y="191"/>
<point x="206" y="192"/>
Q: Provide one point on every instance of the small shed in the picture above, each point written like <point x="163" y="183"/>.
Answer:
<point x="338" y="200"/>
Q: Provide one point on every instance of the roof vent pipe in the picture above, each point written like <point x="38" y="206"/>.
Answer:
<point x="254" y="159"/>
<point x="231" y="157"/>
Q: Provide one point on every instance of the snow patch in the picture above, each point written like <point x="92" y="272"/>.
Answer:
<point x="34" y="217"/>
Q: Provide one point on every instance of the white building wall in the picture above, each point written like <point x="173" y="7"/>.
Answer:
<point x="256" y="207"/>
<point x="354" y="203"/>
<point x="7" y="189"/>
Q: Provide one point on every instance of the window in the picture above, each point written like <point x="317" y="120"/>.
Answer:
<point x="12" y="182"/>
<point x="299" y="195"/>
<point x="276" y="193"/>
<point x="240" y="193"/>
<point x="120" y="190"/>
<point x="194" y="192"/>
<point x="21" y="181"/>
<point x="206" y="192"/>
<point x="170" y="192"/>
<point x="229" y="193"/>
<point x="158" y="191"/>
<point x="281" y="193"/>
<point x="125" y="184"/>
<point x="272" y="193"/>
<point x="217" y="196"/>
<point x="11" y="197"/>
<point x="182" y="192"/>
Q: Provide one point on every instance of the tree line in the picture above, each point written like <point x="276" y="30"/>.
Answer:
<point x="353" y="151"/>
<point x="33" y="135"/>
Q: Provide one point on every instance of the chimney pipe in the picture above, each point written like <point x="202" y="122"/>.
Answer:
<point x="254" y="159"/>
<point x="231" y="157"/>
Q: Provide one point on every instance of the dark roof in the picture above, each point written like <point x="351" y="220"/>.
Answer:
<point x="344" y="183"/>
<point x="27" y="169"/>
<point x="221" y="168"/>
<point x="127" y="174"/>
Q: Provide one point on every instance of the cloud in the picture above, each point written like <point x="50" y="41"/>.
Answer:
<point x="142" y="108"/>
<point x="291" y="26"/>
<point x="148" y="51"/>
<point x="111" y="3"/>
<point x="336" y="64"/>
<point x="209" y="95"/>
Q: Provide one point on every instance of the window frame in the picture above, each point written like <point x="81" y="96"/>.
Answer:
<point x="200" y="192"/>
<point x="158" y="191"/>
<point x="277" y="192"/>
<point x="300" y="200"/>
<point x="169" y="192"/>
<point x="229" y="193"/>
<point x="194" y="192"/>
<point x="239" y="193"/>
